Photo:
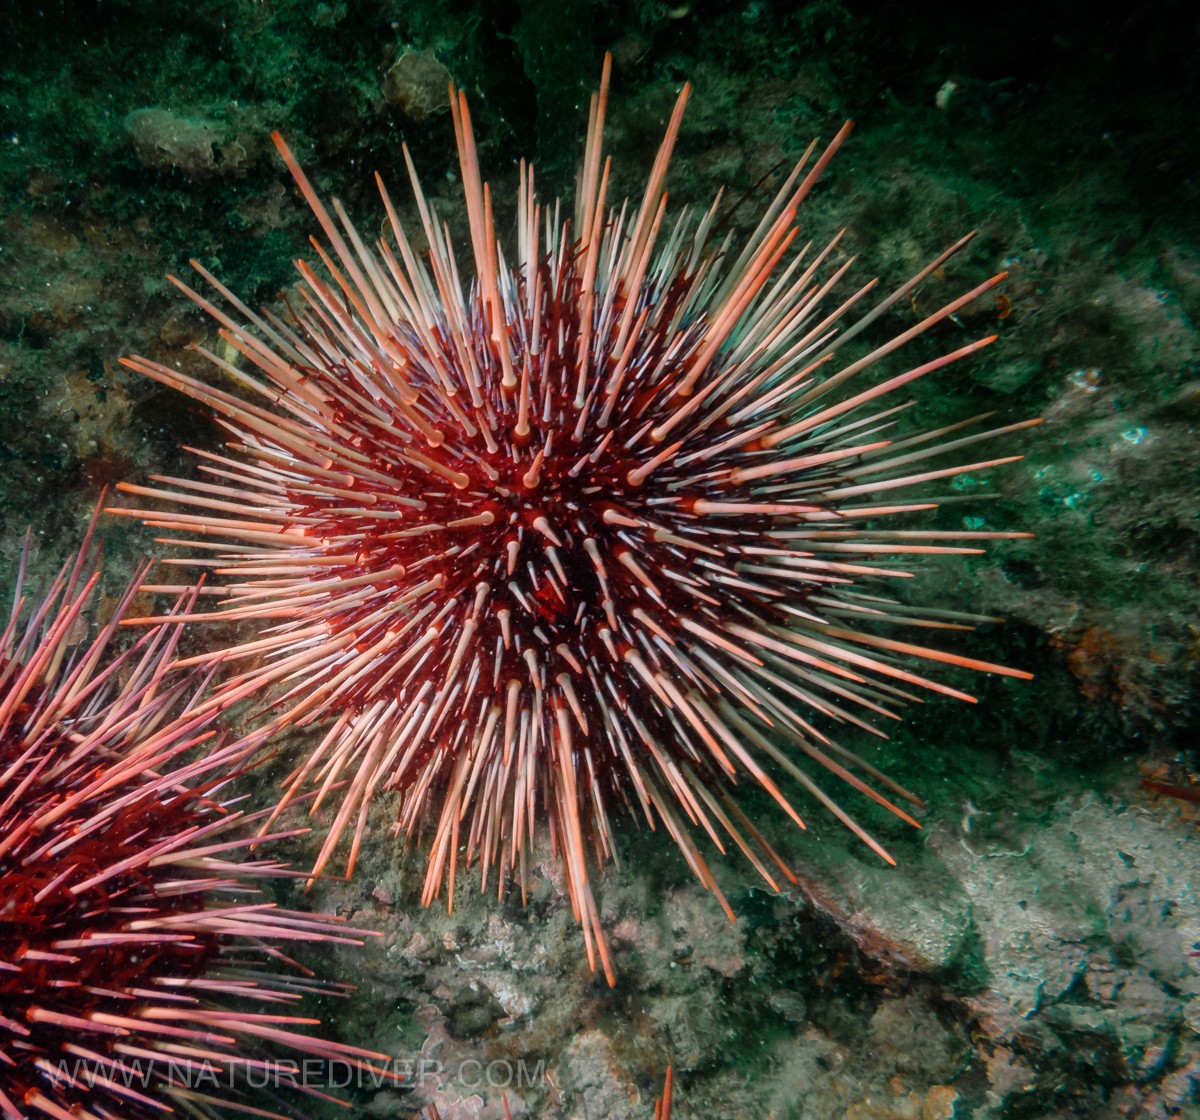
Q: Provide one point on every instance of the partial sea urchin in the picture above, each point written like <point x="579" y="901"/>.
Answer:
<point x="603" y="529"/>
<point x="132" y="953"/>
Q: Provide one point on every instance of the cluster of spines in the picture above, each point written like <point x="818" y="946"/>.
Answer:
<point x="137" y="968"/>
<point x="583" y="534"/>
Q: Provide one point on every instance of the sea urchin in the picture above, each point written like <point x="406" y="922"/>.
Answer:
<point x="606" y="529"/>
<point x="137" y="971"/>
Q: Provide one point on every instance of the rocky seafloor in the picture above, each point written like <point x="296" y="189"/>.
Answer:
<point x="1033" y="953"/>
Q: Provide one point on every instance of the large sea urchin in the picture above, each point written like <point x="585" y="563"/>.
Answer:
<point x="606" y="529"/>
<point x="137" y="972"/>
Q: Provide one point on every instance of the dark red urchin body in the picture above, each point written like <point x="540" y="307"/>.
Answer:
<point x="137" y="972"/>
<point x="603" y="531"/>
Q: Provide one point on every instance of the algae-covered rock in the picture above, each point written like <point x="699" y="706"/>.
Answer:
<point x="417" y="84"/>
<point x="165" y="140"/>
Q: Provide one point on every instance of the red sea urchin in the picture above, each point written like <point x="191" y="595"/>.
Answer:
<point x="137" y="973"/>
<point x="602" y="530"/>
